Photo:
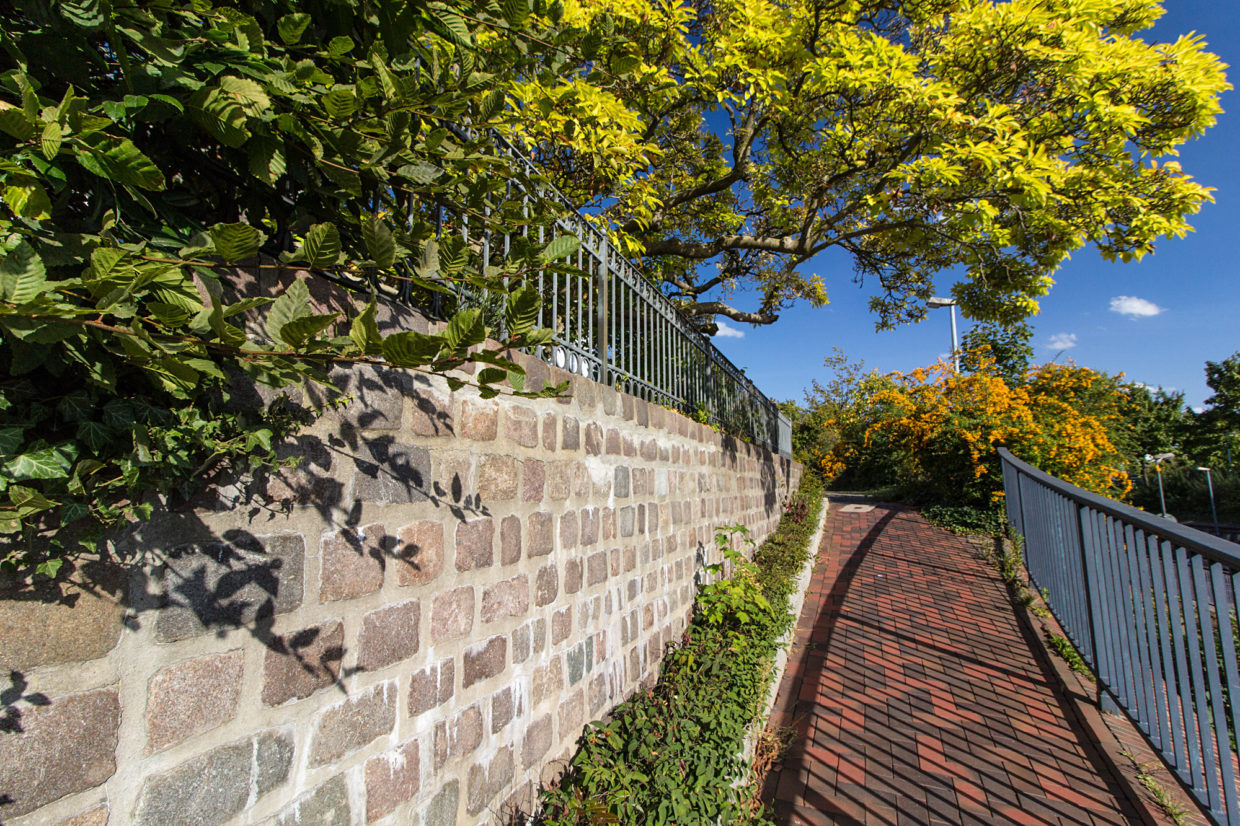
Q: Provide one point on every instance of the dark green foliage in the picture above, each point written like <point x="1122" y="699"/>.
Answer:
<point x="1223" y="377"/>
<point x="966" y="519"/>
<point x="673" y="754"/>
<point x="1005" y="346"/>
<point x="144" y="147"/>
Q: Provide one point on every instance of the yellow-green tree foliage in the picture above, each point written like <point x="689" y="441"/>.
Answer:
<point x="936" y="433"/>
<point x="728" y="142"/>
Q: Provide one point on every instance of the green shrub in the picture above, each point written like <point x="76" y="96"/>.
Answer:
<point x="966" y="519"/>
<point x="673" y="753"/>
<point x="146" y="148"/>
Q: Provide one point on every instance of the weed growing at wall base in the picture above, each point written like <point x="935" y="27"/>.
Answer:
<point x="673" y="754"/>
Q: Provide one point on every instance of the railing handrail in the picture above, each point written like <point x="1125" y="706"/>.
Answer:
<point x="1208" y="545"/>
<point x="729" y="397"/>
<point x="600" y="237"/>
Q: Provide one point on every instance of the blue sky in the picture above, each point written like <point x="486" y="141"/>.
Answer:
<point x="1183" y="301"/>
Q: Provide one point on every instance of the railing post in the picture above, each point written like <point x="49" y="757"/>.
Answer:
<point x="603" y="313"/>
<point x="1086" y="587"/>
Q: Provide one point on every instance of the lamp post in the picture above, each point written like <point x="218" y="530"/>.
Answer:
<point x="1210" y="487"/>
<point x="1158" y="460"/>
<point x="935" y="303"/>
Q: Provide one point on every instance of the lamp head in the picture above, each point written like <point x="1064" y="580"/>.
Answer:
<point x="936" y="302"/>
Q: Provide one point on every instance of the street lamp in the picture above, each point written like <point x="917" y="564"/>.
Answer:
<point x="935" y="303"/>
<point x="1158" y="459"/>
<point x="1210" y="486"/>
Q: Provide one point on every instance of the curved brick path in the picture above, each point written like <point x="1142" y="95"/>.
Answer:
<point x="915" y="696"/>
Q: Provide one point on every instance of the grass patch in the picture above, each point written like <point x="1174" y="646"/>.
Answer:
<point x="1067" y="652"/>
<point x="1163" y="798"/>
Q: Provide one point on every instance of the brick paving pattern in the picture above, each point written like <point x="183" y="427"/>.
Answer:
<point x="915" y="697"/>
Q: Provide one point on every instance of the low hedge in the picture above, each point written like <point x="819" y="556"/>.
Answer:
<point x="674" y="753"/>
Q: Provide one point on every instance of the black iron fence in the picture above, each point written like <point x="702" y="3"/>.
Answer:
<point x="613" y="325"/>
<point x="1151" y="607"/>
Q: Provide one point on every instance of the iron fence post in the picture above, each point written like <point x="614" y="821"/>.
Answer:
<point x="1087" y="589"/>
<point x="603" y="314"/>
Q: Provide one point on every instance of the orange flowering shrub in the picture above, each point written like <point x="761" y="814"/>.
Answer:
<point x="934" y="432"/>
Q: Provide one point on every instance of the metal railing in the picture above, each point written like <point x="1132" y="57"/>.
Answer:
<point x="1151" y="607"/>
<point x="613" y="325"/>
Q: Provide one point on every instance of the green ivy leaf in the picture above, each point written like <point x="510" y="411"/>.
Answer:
<point x="379" y="241"/>
<point x="235" y="242"/>
<point x="561" y="247"/>
<point x="75" y="406"/>
<point x="28" y="501"/>
<point x="10" y="439"/>
<point x="49" y="567"/>
<point x="96" y="435"/>
<point x="73" y="511"/>
<point x="49" y="463"/>
<point x="10" y="522"/>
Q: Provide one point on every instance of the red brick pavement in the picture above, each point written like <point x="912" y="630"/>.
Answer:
<point x="915" y="697"/>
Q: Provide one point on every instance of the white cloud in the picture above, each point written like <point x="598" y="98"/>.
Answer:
<point x="1154" y="388"/>
<point x="1062" y="341"/>
<point x="728" y="332"/>
<point x="1134" y="307"/>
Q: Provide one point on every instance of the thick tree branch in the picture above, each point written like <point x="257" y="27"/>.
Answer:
<point x="712" y="308"/>
<point x="801" y="246"/>
<point x="742" y="147"/>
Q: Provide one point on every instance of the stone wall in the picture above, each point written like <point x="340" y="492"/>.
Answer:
<point x="412" y="626"/>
